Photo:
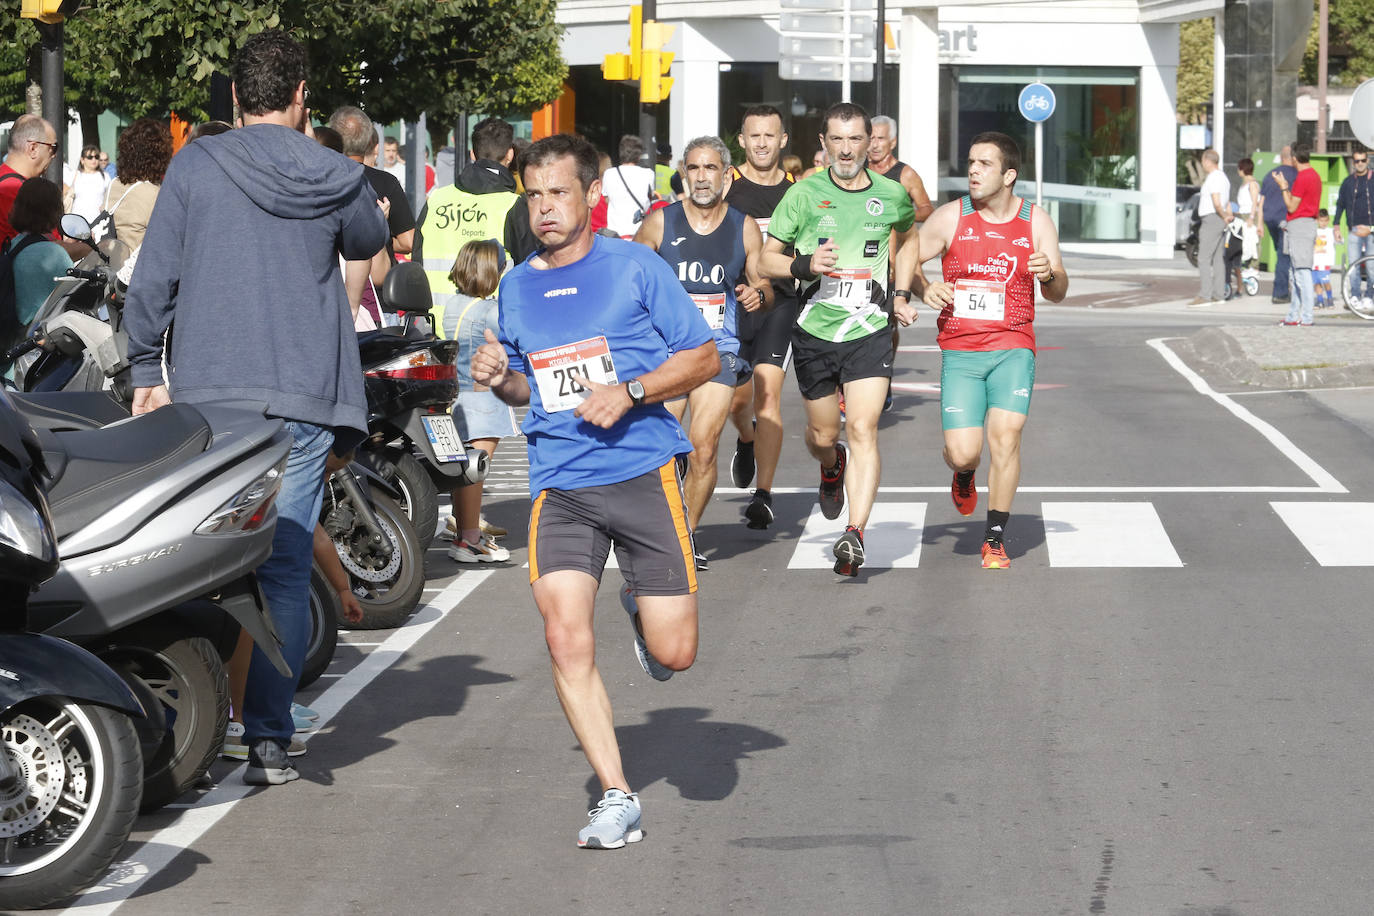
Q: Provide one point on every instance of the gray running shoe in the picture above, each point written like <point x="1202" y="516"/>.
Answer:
<point x="268" y="765"/>
<point x="646" y="661"/>
<point x="614" y="822"/>
<point x="831" y="492"/>
<point x="849" y="552"/>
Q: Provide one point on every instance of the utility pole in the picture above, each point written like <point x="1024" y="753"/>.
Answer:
<point x="882" y="58"/>
<point x="1321" y="76"/>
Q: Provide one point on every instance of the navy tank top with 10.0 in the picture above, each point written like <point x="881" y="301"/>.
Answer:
<point x="708" y="267"/>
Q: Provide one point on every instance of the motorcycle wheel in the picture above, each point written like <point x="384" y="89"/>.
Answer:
<point x="324" y="629"/>
<point x="1190" y="249"/>
<point x="388" y="588"/>
<point x="67" y="817"/>
<point x="186" y="680"/>
<point x="419" y="498"/>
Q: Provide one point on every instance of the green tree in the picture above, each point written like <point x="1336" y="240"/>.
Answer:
<point x="1195" y="53"/>
<point x="1350" y="41"/>
<point x="395" y="58"/>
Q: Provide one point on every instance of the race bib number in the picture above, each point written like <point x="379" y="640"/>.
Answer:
<point x="557" y="369"/>
<point x="850" y="288"/>
<point x="980" y="300"/>
<point x="763" y="225"/>
<point x="712" y="306"/>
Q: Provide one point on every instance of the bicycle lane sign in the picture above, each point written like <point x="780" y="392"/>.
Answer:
<point x="1036" y="102"/>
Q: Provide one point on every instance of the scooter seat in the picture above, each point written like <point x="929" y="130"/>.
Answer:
<point x="68" y="410"/>
<point x="103" y="467"/>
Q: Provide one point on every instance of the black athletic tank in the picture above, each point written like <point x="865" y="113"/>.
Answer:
<point x="895" y="173"/>
<point x="708" y="267"/>
<point x="756" y="200"/>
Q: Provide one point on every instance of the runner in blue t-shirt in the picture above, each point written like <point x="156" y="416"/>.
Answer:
<point x="595" y="334"/>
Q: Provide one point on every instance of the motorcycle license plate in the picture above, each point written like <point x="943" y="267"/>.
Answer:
<point x="444" y="437"/>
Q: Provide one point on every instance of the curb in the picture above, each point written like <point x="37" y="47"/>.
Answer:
<point x="1223" y="352"/>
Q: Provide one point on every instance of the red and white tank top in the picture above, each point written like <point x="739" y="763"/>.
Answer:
<point x="994" y="292"/>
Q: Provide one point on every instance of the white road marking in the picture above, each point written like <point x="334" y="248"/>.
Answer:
<point x="892" y="539"/>
<point x="944" y="489"/>
<point x="1325" y="481"/>
<point x="1336" y="534"/>
<point x="127" y="876"/>
<point x="1106" y="535"/>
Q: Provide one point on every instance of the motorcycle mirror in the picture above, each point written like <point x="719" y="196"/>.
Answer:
<point x="406" y="289"/>
<point x="74" y="226"/>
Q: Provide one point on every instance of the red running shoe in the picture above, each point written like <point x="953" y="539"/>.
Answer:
<point x="965" y="498"/>
<point x="995" y="556"/>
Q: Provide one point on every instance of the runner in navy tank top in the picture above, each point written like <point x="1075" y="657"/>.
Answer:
<point x="713" y="249"/>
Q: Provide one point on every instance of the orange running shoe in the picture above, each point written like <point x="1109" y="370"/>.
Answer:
<point x="965" y="498"/>
<point x="995" y="556"/>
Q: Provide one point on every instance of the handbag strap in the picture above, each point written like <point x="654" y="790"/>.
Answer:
<point x="627" y="189"/>
<point x="111" y="210"/>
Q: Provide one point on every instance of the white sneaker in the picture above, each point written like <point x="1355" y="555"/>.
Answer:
<point x="488" y="551"/>
<point x="450" y="532"/>
<point x="235" y="748"/>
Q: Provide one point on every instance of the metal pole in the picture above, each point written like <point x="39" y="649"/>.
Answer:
<point x="648" y="111"/>
<point x="1321" y="76"/>
<point x="844" y="67"/>
<point x="53" y="110"/>
<point x="881" y="49"/>
<point x="1039" y="163"/>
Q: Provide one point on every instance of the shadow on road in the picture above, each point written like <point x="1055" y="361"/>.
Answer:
<point x="1024" y="533"/>
<point x="686" y="750"/>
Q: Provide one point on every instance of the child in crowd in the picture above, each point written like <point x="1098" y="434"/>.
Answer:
<point x="1323" y="260"/>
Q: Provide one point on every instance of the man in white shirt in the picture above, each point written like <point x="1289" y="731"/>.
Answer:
<point x="628" y="189"/>
<point x="1214" y="208"/>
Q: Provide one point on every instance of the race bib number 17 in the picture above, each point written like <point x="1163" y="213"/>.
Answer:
<point x="557" y="369"/>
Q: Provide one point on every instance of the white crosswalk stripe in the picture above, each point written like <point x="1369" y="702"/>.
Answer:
<point x="1336" y="534"/>
<point x="1115" y="534"/>
<point x="892" y="539"/>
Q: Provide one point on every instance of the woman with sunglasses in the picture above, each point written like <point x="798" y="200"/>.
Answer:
<point x="87" y="195"/>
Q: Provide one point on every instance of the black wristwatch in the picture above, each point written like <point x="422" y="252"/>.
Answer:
<point x="635" y="389"/>
<point x="904" y="293"/>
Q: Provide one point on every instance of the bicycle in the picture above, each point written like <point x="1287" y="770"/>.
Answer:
<point x="1364" y="305"/>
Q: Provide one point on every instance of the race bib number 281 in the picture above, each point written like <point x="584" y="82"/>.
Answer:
<point x="557" y="369"/>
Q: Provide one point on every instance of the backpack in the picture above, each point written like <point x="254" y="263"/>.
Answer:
<point x="11" y="329"/>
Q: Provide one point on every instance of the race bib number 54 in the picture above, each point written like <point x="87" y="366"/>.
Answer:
<point x="980" y="300"/>
<point x="557" y="369"/>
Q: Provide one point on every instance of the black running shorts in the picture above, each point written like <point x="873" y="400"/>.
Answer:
<point x="769" y="334"/>
<point x="823" y="366"/>
<point x="645" y="517"/>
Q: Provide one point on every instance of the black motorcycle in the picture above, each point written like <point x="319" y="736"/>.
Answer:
<point x="71" y="769"/>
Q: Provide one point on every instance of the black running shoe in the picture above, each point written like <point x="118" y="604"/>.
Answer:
<point x="849" y="552"/>
<point x="742" y="465"/>
<point x="831" y="493"/>
<point x="759" y="512"/>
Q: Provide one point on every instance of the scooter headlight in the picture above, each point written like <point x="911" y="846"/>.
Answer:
<point x="248" y="509"/>
<point x="23" y="526"/>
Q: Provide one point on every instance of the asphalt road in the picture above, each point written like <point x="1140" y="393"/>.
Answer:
<point x="1159" y="709"/>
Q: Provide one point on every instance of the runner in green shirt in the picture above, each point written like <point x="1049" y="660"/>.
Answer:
<point x="841" y="221"/>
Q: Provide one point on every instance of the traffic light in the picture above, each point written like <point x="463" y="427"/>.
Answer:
<point x="654" y="83"/>
<point x="48" y="10"/>
<point x="624" y="66"/>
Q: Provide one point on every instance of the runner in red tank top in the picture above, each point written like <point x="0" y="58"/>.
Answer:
<point x="995" y="246"/>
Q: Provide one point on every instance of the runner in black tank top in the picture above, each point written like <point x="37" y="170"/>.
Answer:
<point x="766" y="337"/>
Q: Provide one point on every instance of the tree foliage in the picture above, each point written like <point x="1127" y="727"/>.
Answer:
<point x="1350" y="41"/>
<point x="395" y="58"/>
<point x="1195" y="52"/>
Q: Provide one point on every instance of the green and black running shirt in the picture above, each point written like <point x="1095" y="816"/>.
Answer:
<point x="848" y="301"/>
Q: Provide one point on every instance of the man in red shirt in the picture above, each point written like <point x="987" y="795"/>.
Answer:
<point x="33" y="144"/>
<point x="1302" y="199"/>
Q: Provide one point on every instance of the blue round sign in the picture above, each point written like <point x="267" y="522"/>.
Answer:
<point x="1036" y="102"/>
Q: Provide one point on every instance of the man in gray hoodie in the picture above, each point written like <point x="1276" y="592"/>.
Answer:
<point x="243" y="251"/>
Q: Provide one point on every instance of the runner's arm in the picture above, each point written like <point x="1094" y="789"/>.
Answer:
<point x="757" y="285"/>
<point x="650" y="230"/>
<point x="491" y="367"/>
<point x="916" y="190"/>
<point x="1047" y="261"/>
<point x="678" y="374"/>
<point x="934" y="239"/>
<point x="905" y="266"/>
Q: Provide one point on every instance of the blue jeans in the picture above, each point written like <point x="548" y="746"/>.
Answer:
<point x="1281" y="265"/>
<point x="1301" y="308"/>
<point x="285" y="580"/>
<point x="1356" y="248"/>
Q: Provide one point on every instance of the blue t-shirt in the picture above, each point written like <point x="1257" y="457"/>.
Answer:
<point x="616" y="314"/>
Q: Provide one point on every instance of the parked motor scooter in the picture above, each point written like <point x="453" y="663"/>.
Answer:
<point x="411" y="383"/>
<point x="71" y="771"/>
<point x="161" y="520"/>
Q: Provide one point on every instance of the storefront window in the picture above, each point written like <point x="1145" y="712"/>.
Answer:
<point x="1091" y="142"/>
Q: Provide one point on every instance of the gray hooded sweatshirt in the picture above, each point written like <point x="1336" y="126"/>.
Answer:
<point x="243" y="251"/>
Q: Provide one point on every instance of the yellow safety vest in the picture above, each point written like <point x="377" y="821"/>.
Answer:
<point x="452" y="219"/>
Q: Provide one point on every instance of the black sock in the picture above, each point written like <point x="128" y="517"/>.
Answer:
<point x="965" y="477"/>
<point x="997" y="525"/>
<point x="741" y="445"/>
<point x="764" y="495"/>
